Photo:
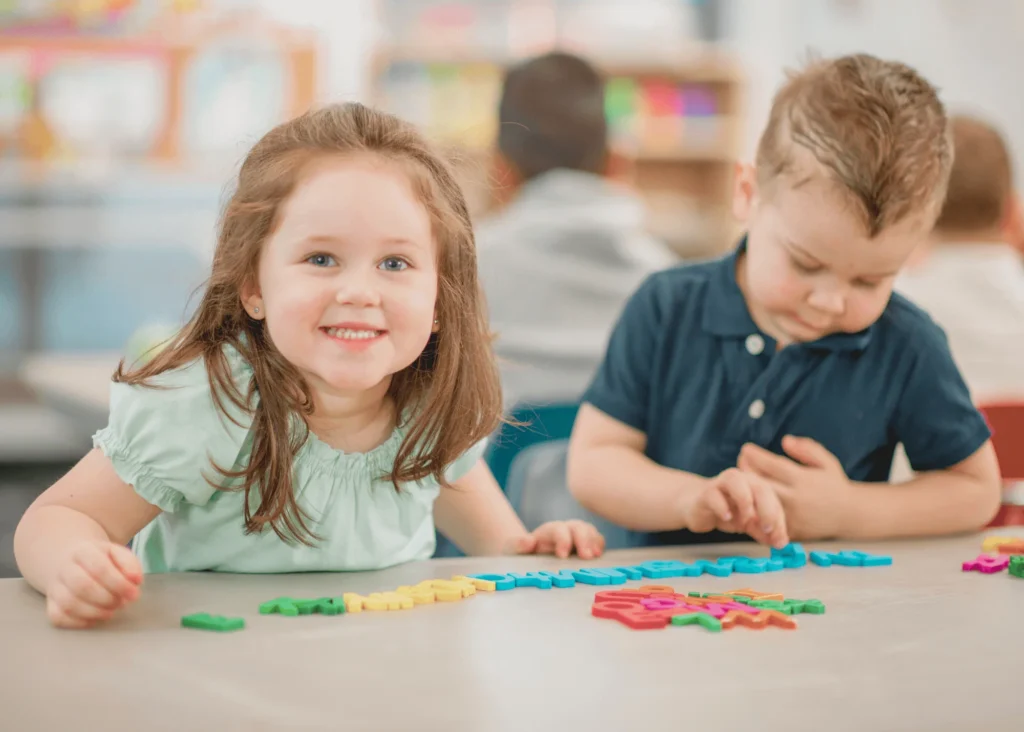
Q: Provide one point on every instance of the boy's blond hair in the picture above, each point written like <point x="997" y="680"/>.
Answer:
<point x="877" y="128"/>
<point x="981" y="184"/>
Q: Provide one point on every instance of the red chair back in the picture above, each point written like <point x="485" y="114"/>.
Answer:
<point x="1006" y="420"/>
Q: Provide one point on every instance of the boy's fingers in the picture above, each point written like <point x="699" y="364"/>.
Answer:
<point x="718" y="504"/>
<point x="809" y="452"/>
<point x="768" y="464"/>
<point x="737" y="486"/>
<point x="771" y="517"/>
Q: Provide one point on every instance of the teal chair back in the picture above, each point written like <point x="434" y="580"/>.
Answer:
<point x="530" y="425"/>
<point x="533" y="426"/>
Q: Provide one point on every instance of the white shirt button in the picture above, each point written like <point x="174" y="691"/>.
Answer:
<point x="756" y="409"/>
<point x="755" y="344"/>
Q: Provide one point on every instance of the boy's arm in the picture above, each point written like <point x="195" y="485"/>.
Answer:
<point x="963" y="497"/>
<point x="610" y="475"/>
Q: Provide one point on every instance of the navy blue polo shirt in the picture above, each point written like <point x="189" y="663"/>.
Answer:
<point x="687" y="366"/>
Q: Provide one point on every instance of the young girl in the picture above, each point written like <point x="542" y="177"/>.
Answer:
<point x="336" y="376"/>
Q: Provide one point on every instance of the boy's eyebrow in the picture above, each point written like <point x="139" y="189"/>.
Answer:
<point x="804" y="252"/>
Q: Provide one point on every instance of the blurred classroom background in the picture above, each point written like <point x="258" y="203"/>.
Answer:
<point x="122" y="121"/>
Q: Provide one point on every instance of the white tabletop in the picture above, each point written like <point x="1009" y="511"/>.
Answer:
<point x="919" y="645"/>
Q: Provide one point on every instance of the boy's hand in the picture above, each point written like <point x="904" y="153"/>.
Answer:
<point x="98" y="579"/>
<point x="738" y="502"/>
<point x="560" y="537"/>
<point x="812" y="486"/>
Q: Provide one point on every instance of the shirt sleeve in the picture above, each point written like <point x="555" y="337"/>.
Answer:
<point x="464" y="463"/>
<point x="165" y="440"/>
<point x="621" y="387"/>
<point x="936" y="419"/>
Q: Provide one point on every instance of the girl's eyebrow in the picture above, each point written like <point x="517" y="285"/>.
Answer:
<point x="388" y="241"/>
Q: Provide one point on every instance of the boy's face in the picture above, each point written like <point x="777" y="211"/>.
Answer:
<point x="811" y="269"/>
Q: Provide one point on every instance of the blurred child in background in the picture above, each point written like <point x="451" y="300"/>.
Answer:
<point x="970" y="278"/>
<point x="568" y="246"/>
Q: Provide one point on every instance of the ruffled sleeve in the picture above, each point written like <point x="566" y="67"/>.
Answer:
<point x="165" y="441"/>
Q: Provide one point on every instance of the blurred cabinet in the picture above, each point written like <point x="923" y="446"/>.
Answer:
<point x="674" y="101"/>
<point x="188" y="86"/>
<point x="120" y="129"/>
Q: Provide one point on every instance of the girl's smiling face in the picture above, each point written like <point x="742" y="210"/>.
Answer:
<point x="347" y="281"/>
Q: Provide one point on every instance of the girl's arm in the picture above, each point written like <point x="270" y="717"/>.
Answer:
<point x="89" y="506"/>
<point x="475" y="515"/>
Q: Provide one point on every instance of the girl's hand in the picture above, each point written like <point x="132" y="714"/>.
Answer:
<point x="739" y="502"/>
<point x="98" y="579"/>
<point x="560" y="537"/>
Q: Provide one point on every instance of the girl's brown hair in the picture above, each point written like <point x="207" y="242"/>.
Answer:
<point x="452" y="392"/>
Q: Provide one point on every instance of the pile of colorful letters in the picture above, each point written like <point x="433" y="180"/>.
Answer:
<point x="999" y="553"/>
<point x="716" y="608"/>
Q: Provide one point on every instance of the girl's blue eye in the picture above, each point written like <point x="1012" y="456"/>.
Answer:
<point x="320" y="260"/>
<point x="394" y="264"/>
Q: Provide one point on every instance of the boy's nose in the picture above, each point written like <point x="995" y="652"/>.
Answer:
<point x="829" y="301"/>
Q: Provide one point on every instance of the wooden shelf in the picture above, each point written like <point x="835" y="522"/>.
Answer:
<point x="697" y="68"/>
<point x="714" y="154"/>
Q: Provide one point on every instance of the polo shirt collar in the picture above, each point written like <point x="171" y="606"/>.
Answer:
<point x="726" y="313"/>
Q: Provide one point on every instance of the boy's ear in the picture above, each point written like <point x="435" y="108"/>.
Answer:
<point x="744" y="192"/>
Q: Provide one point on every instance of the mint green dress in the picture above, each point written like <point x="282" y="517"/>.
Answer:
<point x="161" y="441"/>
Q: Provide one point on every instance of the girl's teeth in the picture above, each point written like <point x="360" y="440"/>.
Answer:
<point x="349" y="334"/>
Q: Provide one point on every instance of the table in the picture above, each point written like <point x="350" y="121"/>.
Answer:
<point x="919" y="645"/>
<point x="75" y="383"/>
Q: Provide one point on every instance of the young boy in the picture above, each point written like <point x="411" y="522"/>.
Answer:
<point x="765" y="392"/>
<point x="568" y="248"/>
<point x="971" y="278"/>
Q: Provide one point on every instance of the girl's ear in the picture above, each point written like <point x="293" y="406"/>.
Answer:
<point x="252" y="300"/>
<point x="436" y="326"/>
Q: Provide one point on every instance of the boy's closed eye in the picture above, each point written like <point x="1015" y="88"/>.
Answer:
<point x="805" y="266"/>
